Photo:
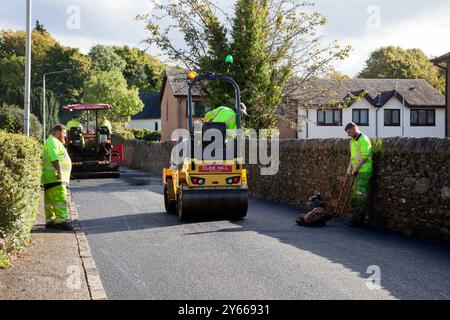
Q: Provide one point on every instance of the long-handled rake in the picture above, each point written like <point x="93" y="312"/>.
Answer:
<point x="347" y="181"/>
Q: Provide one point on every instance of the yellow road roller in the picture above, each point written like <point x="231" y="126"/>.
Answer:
<point x="202" y="187"/>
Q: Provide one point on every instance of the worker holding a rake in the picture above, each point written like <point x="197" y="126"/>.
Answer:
<point x="360" y="169"/>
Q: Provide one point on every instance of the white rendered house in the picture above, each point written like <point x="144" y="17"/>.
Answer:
<point x="386" y="108"/>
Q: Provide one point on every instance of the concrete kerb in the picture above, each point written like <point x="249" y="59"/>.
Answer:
<point x="95" y="286"/>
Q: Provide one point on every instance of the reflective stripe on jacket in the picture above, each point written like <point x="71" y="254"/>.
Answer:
<point x="361" y="148"/>
<point x="54" y="150"/>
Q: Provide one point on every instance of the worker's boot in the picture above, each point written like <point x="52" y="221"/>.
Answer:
<point x="65" y="226"/>
<point x="359" y="200"/>
<point x="357" y="218"/>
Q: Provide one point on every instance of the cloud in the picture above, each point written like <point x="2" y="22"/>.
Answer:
<point x="107" y="21"/>
<point x="426" y="31"/>
<point x="416" y="23"/>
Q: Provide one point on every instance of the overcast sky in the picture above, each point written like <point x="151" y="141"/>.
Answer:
<point x="363" y="24"/>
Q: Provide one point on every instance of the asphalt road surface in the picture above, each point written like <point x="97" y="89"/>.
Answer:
<point x="144" y="253"/>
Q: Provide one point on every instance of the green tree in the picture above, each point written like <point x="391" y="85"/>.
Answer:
<point x="68" y="86"/>
<point x="52" y="104"/>
<point x="397" y="63"/>
<point x="48" y="56"/>
<point x="111" y="87"/>
<point x="12" y="70"/>
<point x="142" y="70"/>
<point x="39" y="27"/>
<point x="256" y="70"/>
<point x="104" y="58"/>
<point x="13" y="43"/>
<point x="12" y="120"/>
<point x="275" y="44"/>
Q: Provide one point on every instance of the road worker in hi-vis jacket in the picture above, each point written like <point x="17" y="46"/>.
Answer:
<point x="56" y="169"/>
<point x="361" y="168"/>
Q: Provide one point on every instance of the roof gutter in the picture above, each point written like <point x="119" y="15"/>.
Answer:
<point x="376" y="114"/>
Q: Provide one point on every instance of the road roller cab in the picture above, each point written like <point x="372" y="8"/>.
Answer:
<point x="209" y="186"/>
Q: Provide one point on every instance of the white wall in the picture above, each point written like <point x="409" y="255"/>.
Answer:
<point x="324" y="132"/>
<point x="312" y="131"/>
<point x="420" y="132"/>
<point x="388" y="131"/>
<point x="149" y="124"/>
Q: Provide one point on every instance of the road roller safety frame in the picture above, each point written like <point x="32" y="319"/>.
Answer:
<point x="204" y="189"/>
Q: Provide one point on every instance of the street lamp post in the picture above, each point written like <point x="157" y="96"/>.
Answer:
<point x="26" y="125"/>
<point x="44" y="116"/>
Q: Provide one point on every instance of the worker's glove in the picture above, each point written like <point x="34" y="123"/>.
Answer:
<point x="349" y="171"/>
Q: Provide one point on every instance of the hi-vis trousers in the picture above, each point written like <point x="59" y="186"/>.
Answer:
<point x="360" y="195"/>
<point x="55" y="201"/>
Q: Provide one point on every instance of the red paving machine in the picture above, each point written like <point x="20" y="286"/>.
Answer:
<point x="92" y="152"/>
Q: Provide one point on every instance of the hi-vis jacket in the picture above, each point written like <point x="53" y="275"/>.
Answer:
<point x="361" y="148"/>
<point x="54" y="150"/>
<point x="222" y="114"/>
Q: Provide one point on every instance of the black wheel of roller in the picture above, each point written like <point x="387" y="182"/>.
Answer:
<point x="241" y="213"/>
<point x="169" y="205"/>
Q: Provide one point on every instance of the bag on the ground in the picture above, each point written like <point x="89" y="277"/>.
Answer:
<point x="316" y="217"/>
<point x="315" y="202"/>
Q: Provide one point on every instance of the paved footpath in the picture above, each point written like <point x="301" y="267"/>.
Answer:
<point x="143" y="253"/>
<point x="50" y="268"/>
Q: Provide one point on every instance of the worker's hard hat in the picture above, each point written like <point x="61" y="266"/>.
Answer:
<point x="244" y="109"/>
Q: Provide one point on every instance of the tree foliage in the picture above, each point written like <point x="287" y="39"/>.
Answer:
<point x="12" y="69"/>
<point x="112" y="88"/>
<point x="48" y="56"/>
<point x="141" y="69"/>
<point x="397" y="63"/>
<point x="104" y="58"/>
<point x="12" y="121"/>
<point x="39" y="27"/>
<point x="275" y="44"/>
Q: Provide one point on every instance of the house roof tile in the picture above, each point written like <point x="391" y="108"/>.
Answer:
<point x="442" y="59"/>
<point x="177" y="79"/>
<point x="417" y="93"/>
<point x="151" y="109"/>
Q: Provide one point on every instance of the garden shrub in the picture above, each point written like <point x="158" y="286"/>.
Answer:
<point x="20" y="180"/>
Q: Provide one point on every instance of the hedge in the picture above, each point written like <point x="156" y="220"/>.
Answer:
<point x="146" y="135"/>
<point x="122" y="134"/>
<point x="20" y="180"/>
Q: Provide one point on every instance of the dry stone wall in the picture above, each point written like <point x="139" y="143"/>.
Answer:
<point x="410" y="190"/>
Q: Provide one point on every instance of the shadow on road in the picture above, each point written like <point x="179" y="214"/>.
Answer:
<point x="131" y="222"/>
<point x="410" y="268"/>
